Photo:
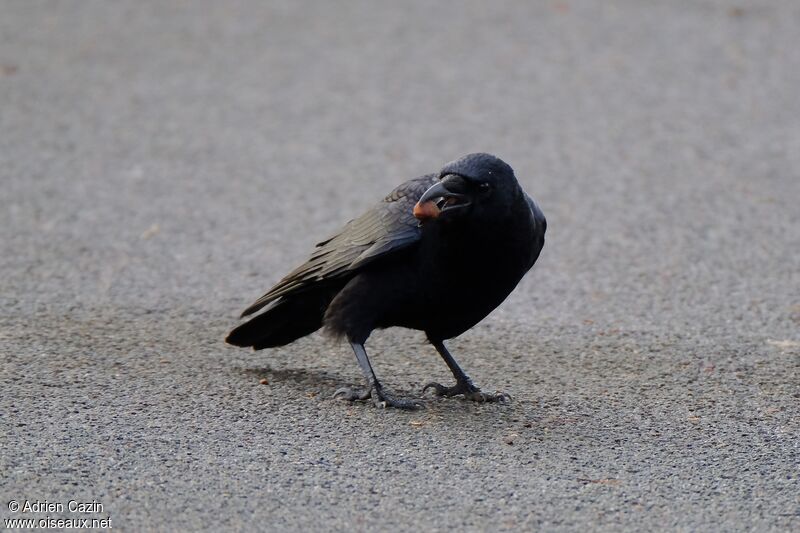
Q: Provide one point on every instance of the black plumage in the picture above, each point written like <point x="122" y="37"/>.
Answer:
<point x="438" y="254"/>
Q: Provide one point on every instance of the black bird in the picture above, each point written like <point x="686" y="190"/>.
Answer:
<point x="438" y="254"/>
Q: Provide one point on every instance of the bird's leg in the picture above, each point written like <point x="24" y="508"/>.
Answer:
<point x="374" y="388"/>
<point x="463" y="384"/>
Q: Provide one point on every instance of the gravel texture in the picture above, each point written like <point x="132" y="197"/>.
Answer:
<point x="163" y="163"/>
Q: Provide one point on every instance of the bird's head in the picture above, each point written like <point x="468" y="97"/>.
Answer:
<point x="478" y="185"/>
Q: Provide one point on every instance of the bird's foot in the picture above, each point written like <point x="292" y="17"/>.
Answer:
<point x="379" y="397"/>
<point x="469" y="391"/>
<point x="351" y="395"/>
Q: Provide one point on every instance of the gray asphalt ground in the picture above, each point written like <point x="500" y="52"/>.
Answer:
<point x="163" y="163"/>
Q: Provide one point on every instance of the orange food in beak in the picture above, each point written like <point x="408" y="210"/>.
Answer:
<point x="426" y="211"/>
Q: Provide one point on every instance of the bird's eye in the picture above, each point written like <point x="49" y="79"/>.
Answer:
<point x="485" y="187"/>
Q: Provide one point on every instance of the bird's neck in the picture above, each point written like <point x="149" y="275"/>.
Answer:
<point x="471" y="242"/>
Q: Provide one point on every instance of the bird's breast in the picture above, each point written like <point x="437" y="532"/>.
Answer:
<point x="462" y="279"/>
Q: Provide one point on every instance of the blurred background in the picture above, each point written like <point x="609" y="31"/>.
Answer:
<point x="163" y="163"/>
<point x="170" y="149"/>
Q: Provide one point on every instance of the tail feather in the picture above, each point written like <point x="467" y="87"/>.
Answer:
<point x="284" y="322"/>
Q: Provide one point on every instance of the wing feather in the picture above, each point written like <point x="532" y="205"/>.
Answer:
<point x="388" y="227"/>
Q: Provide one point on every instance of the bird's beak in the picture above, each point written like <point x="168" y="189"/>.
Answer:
<point x="441" y="197"/>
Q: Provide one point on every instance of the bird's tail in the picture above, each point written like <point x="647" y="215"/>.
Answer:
<point x="284" y="322"/>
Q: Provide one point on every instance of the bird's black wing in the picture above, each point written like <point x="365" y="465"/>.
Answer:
<point x="386" y="228"/>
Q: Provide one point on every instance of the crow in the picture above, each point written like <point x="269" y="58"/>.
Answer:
<point x="438" y="254"/>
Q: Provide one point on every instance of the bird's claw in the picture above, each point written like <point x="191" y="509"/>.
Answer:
<point x="441" y="390"/>
<point x="489" y="397"/>
<point x="351" y="395"/>
<point x="379" y="397"/>
<point x="469" y="391"/>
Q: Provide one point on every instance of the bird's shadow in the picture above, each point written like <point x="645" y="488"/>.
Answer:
<point x="305" y="381"/>
<point x="456" y="414"/>
<point x="299" y="376"/>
